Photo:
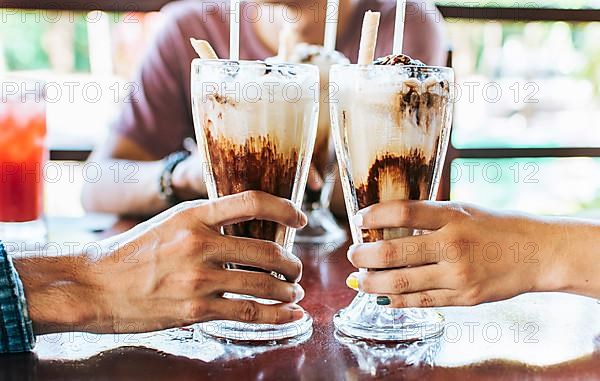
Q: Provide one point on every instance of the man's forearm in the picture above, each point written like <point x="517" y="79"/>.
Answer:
<point x="125" y="187"/>
<point x="60" y="297"/>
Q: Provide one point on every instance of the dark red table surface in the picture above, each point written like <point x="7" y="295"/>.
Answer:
<point x="536" y="336"/>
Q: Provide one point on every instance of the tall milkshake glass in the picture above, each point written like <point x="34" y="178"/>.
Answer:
<point x="256" y="124"/>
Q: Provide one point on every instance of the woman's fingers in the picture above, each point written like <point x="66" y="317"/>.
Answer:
<point x="266" y="255"/>
<point x="401" y="252"/>
<point x="423" y="299"/>
<point x="399" y="281"/>
<point x="430" y="215"/>
<point x="251" y="205"/>
<point x="261" y="285"/>
<point x="248" y="311"/>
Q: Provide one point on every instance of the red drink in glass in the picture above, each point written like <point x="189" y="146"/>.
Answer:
<point x="22" y="157"/>
<point x="21" y="163"/>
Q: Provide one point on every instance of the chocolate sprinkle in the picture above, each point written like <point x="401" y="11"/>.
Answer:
<point x="397" y="59"/>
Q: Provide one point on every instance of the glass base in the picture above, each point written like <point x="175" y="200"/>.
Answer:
<point x="321" y="228"/>
<point x="245" y="332"/>
<point x="364" y="319"/>
<point x="23" y="236"/>
<point x="226" y="350"/>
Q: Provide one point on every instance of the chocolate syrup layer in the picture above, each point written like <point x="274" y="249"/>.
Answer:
<point x="414" y="171"/>
<point x="256" y="165"/>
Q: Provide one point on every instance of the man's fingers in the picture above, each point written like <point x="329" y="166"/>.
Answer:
<point x="400" y="281"/>
<point x="248" y="311"/>
<point x="430" y="215"/>
<point x="423" y="299"/>
<point x="409" y="251"/>
<point x="261" y="285"/>
<point x="251" y="205"/>
<point x="266" y="255"/>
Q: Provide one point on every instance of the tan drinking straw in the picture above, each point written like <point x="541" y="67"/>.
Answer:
<point x="368" y="38"/>
<point x="203" y="49"/>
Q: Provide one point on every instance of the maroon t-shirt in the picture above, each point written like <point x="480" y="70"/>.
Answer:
<point x="159" y="117"/>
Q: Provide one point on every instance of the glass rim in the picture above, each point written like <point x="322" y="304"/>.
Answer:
<point x="441" y="69"/>
<point x="198" y="62"/>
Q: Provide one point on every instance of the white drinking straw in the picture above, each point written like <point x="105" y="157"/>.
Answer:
<point x="203" y="49"/>
<point x="287" y="41"/>
<point x="234" y="30"/>
<point x="399" y="26"/>
<point x="368" y="38"/>
<point x="331" y="22"/>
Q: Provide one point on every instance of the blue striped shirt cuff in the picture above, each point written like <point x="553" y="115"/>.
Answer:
<point x="16" y="331"/>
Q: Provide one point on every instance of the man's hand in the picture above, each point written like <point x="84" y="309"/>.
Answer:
<point x="472" y="256"/>
<point x="169" y="272"/>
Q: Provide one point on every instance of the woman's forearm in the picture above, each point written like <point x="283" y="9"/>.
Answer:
<point x="578" y="253"/>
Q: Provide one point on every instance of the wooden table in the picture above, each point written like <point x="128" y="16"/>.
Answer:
<point x="537" y="336"/>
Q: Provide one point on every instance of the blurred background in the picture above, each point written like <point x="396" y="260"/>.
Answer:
<point x="527" y="120"/>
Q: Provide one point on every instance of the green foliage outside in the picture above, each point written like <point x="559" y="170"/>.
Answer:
<point x="22" y="39"/>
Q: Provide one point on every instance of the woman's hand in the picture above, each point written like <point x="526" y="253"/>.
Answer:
<point x="471" y="256"/>
<point x="169" y="272"/>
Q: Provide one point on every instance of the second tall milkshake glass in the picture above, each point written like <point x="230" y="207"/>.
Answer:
<point x="391" y="125"/>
